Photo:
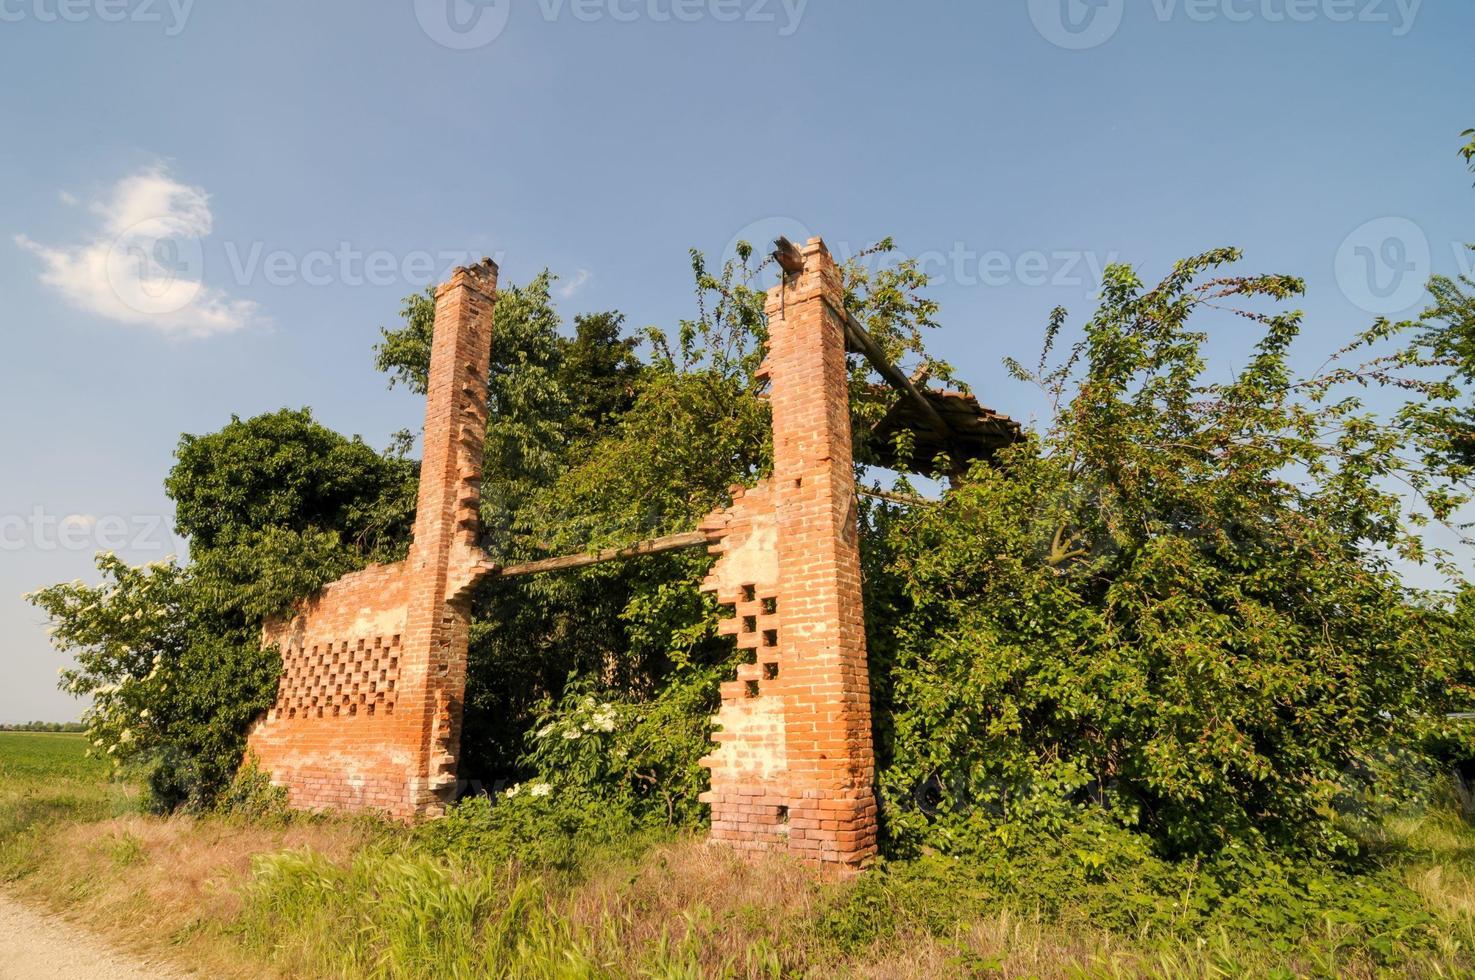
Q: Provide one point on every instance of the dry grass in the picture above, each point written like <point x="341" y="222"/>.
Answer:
<point x="148" y="882"/>
<point x="359" y="898"/>
<point x="699" y="896"/>
<point x="683" y="909"/>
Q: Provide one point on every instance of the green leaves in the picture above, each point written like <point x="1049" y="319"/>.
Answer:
<point x="275" y="507"/>
<point x="1173" y="610"/>
<point x="174" y="679"/>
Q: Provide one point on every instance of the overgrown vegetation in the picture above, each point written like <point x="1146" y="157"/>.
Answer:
<point x="308" y="896"/>
<point x="170" y="654"/>
<point x="1153" y="675"/>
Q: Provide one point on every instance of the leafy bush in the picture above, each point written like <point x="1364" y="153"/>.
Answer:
<point x="170" y="654"/>
<point x="1256" y="903"/>
<point x="1175" y="611"/>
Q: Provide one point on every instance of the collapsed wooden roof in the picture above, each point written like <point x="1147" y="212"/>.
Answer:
<point x="969" y="432"/>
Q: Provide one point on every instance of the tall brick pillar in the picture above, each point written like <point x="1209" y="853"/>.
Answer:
<point x="827" y="710"/>
<point x="444" y="559"/>
<point x="793" y="767"/>
<point x="368" y="709"/>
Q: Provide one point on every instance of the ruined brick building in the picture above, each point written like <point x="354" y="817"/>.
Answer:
<point x="368" y="712"/>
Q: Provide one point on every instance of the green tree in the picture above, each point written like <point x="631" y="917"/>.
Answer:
<point x="170" y="654"/>
<point x="1174" y="611"/>
<point x="601" y="371"/>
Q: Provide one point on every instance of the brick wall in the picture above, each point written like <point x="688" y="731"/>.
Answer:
<point x="368" y="709"/>
<point x="794" y="767"/>
<point x="368" y="713"/>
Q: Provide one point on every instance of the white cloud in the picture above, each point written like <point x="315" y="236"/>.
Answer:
<point x="579" y="281"/>
<point x="143" y="266"/>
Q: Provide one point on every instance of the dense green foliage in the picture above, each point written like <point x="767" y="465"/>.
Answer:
<point x="1174" y="611"/>
<point x="170" y="654"/>
<point x="1160" y="657"/>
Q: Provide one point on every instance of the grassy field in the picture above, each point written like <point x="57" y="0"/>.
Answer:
<point x="45" y="780"/>
<point x="313" y="897"/>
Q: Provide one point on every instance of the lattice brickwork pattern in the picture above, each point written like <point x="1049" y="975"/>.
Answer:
<point x="374" y="666"/>
<point x="343" y="678"/>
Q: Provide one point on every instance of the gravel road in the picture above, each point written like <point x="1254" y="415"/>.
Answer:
<point x="36" y="946"/>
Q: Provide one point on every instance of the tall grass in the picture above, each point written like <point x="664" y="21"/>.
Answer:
<point x="388" y="915"/>
<point x="48" y="780"/>
<point x="317" y="897"/>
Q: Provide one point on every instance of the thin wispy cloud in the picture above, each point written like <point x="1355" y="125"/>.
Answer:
<point x="143" y="264"/>
<point x="578" y="282"/>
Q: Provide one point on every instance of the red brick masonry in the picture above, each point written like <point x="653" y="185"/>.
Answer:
<point x="793" y="769"/>
<point x="368" y="713"/>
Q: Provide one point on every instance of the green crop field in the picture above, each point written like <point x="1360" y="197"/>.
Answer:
<point x="45" y="756"/>
<point x="46" y="779"/>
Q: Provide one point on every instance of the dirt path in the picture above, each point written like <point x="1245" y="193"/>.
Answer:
<point x="35" y="946"/>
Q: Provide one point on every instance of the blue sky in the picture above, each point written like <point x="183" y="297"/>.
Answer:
<point x="299" y="167"/>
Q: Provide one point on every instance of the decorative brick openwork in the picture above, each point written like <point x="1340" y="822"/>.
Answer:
<point x="336" y="679"/>
<point x="368" y="710"/>
<point x="793" y="768"/>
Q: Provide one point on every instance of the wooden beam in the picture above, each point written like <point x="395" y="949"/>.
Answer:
<point x="863" y="343"/>
<point x="655" y="546"/>
<point x="897" y="498"/>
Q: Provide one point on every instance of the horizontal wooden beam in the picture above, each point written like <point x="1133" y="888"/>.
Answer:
<point x="896" y="498"/>
<point x="655" y="546"/>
